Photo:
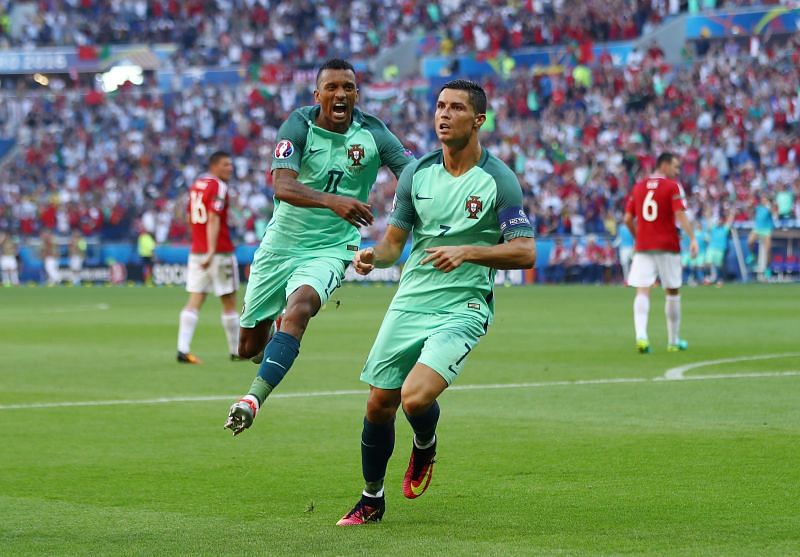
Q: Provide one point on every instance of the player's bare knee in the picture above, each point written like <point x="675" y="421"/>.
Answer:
<point x="382" y="406"/>
<point x="416" y="402"/>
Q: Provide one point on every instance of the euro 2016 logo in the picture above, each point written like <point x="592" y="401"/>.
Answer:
<point x="356" y="154"/>
<point x="474" y="206"/>
<point x="284" y="149"/>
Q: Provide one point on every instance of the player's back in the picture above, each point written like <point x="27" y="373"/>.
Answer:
<point x="654" y="202"/>
<point x="208" y="194"/>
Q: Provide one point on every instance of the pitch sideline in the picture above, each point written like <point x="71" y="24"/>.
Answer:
<point x="672" y="374"/>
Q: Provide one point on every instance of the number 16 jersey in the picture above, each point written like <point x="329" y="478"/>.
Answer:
<point x="337" y="163"/>
<point x="654" y="202"/>
<point x="209" y="194"/>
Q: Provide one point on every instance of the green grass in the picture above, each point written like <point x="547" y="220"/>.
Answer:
<point x="663" y="468"/>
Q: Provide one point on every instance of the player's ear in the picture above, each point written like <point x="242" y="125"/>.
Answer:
<point x="316" y="96"/>
<point x="479" y="120"/>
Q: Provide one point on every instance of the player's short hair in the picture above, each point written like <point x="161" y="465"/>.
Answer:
<point x="665" y="158"/>
<point x="217" y="156"/>
<point x="477" y="96"/>
<point x="335" y="64"/>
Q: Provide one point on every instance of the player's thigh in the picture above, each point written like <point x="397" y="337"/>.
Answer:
<point x="669" y="269"/>
<point x="396" y="349"/>
<point x="323" y="274"/>
<point x="265" y="296"/>
<point x="198" y="280"/>
<point x="421" y="388"/>
<point x="224" y="274"/>
<point x="452" y="339"/>
<point x="643" y="271"/>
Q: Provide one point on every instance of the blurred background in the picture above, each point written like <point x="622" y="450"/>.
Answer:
<point x="110" y="109"/>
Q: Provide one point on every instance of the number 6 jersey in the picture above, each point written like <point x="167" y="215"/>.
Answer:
<point x="209" y="194"/>
<point x="338" y="163"/>
<point x="654" y="202"/>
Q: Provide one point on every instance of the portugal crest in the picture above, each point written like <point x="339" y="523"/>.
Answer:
<point x="356" y="154"/>
<point x="474" y="206"/>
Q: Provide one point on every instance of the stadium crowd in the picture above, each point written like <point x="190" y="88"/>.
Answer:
<point x="577" y="140"/>
<point x="233" y="32"/>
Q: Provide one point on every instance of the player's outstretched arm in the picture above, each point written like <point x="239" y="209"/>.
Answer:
<point x="384" y="253"/>
<point x="517" y="253"/>
<point x="289" y="190"/>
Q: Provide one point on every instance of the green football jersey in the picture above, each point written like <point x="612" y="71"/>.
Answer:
<point x="481" y="208"/>
<point x="342" y="164"/>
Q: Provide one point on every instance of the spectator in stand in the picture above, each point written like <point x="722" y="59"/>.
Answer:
<point x="609" y="262"/>
<point x="593" y="264"/>
<point x="556" y="262"/>
<point x="100" y="165"/>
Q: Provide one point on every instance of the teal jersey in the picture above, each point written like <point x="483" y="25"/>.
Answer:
<point x="481" y="208"/>
<point x="701" y="235"/>
<point x="685" y="243"/>
<point x="719" y="237"/>
<point x="342" y="164"/>
<point x="625" y="237"/>
<point x="763" y="219"/>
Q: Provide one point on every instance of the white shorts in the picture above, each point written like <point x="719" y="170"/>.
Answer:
<point x="646" y="267"/>
<point x="221" y="277"/>
<point x="51" y="268"/>
<point x="8" y="263"/>
<point x="75" y="263"/>
<point x="625" y="255"/>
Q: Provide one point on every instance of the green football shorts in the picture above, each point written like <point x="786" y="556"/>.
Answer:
<point x="274" y="277"/>
<point x="440" y="341"/>
<point x="715" y="257"/>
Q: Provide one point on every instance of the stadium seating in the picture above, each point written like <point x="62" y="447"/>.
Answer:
<point x="106" y="164"/>
<point x="241" y="31"/>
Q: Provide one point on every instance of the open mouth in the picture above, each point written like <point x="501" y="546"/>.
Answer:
<point x="444" y="127"/>
<point x="339" y="109"/>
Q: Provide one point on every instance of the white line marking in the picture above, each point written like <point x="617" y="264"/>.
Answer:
<point x="676" y="373"/>
<point x="362" y="392"/>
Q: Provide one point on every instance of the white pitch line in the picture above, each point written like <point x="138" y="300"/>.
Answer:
<point x="676" y="373"/>
<point x="363" y="392"/>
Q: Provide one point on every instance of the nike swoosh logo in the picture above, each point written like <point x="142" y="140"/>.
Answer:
<point x="418" y="196"/>
<point x="271" y="361"/>
<point x="420" y="487"/>
<point x="312" y="151"/>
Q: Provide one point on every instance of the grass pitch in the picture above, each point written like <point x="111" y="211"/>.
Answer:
<point x="568" y="464"/>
